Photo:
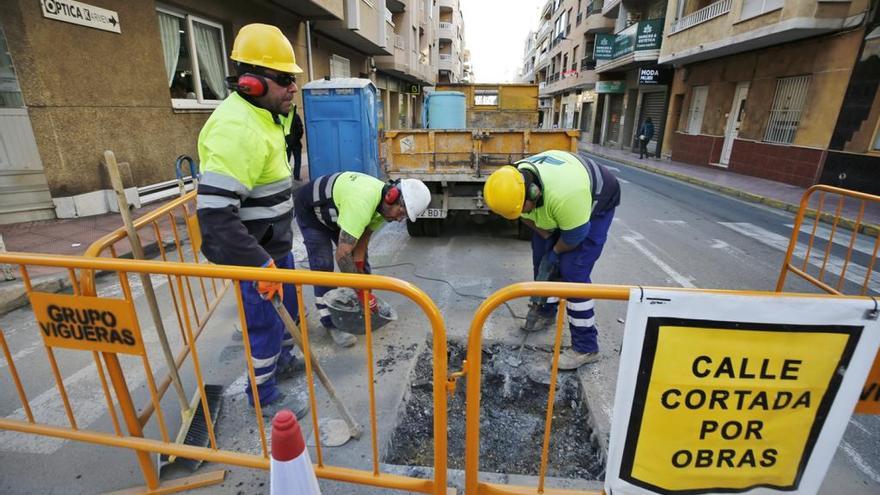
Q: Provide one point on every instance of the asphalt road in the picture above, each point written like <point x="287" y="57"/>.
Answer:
<point x="665" y="233"/>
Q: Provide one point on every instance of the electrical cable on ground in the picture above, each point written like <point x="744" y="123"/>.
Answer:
<point x="433" y="279"/>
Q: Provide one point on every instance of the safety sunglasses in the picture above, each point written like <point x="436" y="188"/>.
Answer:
<point x="283" y="80"/>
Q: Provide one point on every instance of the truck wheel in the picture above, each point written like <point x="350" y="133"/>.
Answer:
<point x="431" y="227"/>
<point x="415" y="229"/>
<point x="523" y="233"/>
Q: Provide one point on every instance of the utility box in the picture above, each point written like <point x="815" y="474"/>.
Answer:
<point x="342" y="126"/>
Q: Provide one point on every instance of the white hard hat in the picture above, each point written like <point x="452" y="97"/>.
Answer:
<point x="416" y="197"/>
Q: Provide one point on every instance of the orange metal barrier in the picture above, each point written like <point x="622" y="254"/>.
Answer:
<point x="178" y="273"/>
<point x="472" y="370"/>
<point x="815" y="267"/>
<point x="824" y="262"/>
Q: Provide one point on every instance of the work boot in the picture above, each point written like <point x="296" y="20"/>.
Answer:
<point x="293" y="402"/>
<point x="341" y="338"/>
<point x="289" y="368"/>
<point x="571" y="359"/>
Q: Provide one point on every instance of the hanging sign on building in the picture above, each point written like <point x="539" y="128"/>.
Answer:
<point x="82" y="14"/>
<point x="654" y="75"/>
<point x="610" y="86"/>
<point x="731" y="393"/>
<point x="649" y="34"/>
<point x="604" y="47"/>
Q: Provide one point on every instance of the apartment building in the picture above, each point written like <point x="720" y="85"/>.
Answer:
<point x="140" y="78"/>
<point x="559" y="58"/>
<point x="450" y="34"/>
<point x="632" y="85"/>
<point x="780" y="89"/>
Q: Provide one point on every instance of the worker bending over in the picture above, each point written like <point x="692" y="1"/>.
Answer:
<point x="344" y="209"/>
<point x="245" y="203"/>
<point x="568" y="201"/>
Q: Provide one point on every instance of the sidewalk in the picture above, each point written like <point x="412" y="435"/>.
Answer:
<point x="754" y="189"/>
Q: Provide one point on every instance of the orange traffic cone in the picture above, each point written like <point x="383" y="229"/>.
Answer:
<point x="291" y="469"/>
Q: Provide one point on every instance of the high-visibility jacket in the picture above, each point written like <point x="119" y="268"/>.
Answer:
<point x="572" y="188"/>
<point x="346" y="201"/>
<point x="245" y="192"/>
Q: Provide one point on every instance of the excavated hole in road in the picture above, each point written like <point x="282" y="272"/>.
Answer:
<point x="513" y="405"/>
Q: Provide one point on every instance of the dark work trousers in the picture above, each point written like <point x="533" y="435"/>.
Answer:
<point x="576" y="266"/>
<point x="320" y="242"/>
<point x="270" y="342"/>
<point x="297" y="162"/>
<point x="643" y="148"/>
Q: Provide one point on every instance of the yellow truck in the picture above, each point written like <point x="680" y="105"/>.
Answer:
<point x="455" y="163"/>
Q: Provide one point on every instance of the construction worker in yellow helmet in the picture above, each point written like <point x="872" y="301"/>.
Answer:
<point x="245" y="204"/>
<point x="568" y="201"/>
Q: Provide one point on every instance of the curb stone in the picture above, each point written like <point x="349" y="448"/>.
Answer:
<point x="848" y="223"/>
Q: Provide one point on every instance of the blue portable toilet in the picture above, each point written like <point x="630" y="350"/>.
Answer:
<point x="341" y="124"/>
<point x="444" y="110"/>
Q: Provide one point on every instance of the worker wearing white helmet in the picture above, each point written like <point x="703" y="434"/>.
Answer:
<point x="344" y="209"/>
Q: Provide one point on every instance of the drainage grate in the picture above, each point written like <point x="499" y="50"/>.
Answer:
<point x="513" y="405"/>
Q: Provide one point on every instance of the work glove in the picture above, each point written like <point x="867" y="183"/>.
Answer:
<point x="268" y="290"/>
<point x="373" y="303"/>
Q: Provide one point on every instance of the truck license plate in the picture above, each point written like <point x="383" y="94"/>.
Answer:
<point x="433" y="213"/>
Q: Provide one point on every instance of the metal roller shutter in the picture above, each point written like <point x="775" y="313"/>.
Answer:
<point x="654" y="106"/>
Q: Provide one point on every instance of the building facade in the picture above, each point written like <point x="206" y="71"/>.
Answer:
<point x="559" y="57"/>
<point x="140" y="79"/>
<point x="780" y="89"/>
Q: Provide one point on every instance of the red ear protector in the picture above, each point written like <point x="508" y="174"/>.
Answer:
<point x="252" y="84"/>
<point x="392" y="194"/>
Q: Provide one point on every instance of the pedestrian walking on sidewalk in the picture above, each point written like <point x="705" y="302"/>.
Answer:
<point x="568" y="200"/>
<point x="344" y="209"/>
<point x="245" y="204"/>
<point x="295" y="146"/>
<point x="646" y="132"/>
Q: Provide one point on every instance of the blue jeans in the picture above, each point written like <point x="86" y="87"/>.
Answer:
<point x="576" y="266"/>
<point x="270" y="342"/>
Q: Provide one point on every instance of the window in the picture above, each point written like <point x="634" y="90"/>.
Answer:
<point x="194" y="51"/>
<point x="876" y="146"/>
<point x="486" y="97"/>
<point x="698" y="106"/>
<point x="339" y="67"/>
<point x="10" y="92"/>
<point x="785" y="114"/>
<point x="753" y="8"/>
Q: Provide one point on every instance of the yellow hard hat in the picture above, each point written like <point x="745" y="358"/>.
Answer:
<point x="505" y="192"/>
<point x="265" y="46"/>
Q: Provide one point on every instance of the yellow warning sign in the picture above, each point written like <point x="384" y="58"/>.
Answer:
<point x="87" y="323"/>
<point x="720" y="406"/>
<point x="869" y="401"/>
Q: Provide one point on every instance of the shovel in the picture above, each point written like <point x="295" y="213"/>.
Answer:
<point x="354" y="429"/>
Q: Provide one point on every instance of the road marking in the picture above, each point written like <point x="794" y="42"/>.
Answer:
<point x="622" y="181"/>
<point x="859" y="462"/>
<point x="860" y="426"/>
<point x="87" y="401"/>
<point x="719" y="244"/>
<point x="636" y="238"/>
<point x="670" y="222"/>
<point x="841" y="238"/>
<point x="854" y="273"/>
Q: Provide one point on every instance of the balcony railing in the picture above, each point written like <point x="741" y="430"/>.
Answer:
<point x="445" y="56"/>
<point x="588" y="63"/>
<point x="712" y="11"/>
<point x="594" y="7"/>
<point x="445" y="25"/>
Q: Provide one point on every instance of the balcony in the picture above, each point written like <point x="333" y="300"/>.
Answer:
<point x="706" y="13"/>
<point x="637" y="43"/>
<point x="610" y="8"/>
<point x="446" y="62"/>
<point x="594" y="7"/>
<point x="446" y="31"/>
<point x="588" y="63"/>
